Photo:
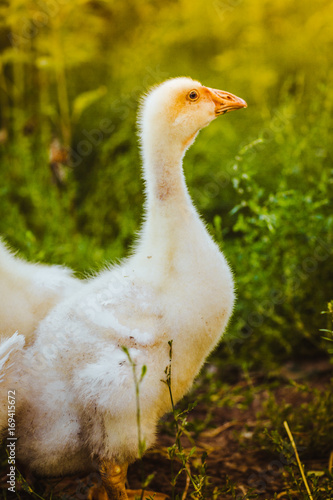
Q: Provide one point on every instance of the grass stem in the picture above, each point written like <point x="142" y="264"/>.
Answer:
<point x="285" y="423"/>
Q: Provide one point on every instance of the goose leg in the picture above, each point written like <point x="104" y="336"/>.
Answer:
<point x="113" y="482"/>
<point x="113" y="479"/>
<point x="113" y="485"/>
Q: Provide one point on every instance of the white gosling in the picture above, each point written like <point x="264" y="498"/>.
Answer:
<point x="76" y="409"/>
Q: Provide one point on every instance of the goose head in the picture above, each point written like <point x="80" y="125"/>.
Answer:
<point x="174" y="112"/>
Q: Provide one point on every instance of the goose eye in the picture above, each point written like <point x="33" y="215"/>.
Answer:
<point x="193" y="95"/>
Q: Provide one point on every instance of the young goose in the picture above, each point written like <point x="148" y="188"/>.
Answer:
<point x="77" y="406"/>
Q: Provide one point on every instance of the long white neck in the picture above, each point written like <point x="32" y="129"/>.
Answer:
<point x="163" y="174"/>
<point x="165" y="186"/>
<point x="171" y="221"/>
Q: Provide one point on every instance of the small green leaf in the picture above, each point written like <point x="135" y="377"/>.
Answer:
<point x="143" y="372"/>
<point x="148" y="480"/>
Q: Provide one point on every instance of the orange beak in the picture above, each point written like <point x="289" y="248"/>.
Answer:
<point x="224" y="101"/>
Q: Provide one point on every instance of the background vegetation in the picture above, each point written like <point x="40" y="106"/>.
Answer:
<point x="71" y="75"/>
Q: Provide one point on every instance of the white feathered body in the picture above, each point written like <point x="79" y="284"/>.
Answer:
<point x="78" y="392"/>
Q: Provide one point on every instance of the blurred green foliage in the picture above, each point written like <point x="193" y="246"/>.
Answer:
<point x="262" y="178"/>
